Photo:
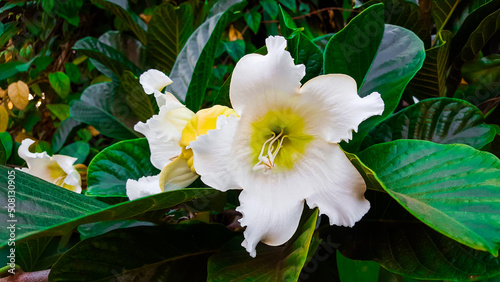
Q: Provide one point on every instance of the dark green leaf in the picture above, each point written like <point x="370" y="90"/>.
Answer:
<point x="465" y="13"/>
<point x="42" y="63"/>
<point x="281" y="263"/>
<point x="143" y="253"/>
<point x="440" y="120"/>
<point x="400" y="55"/>
<point x="169" y="29"/>
<point x="106" y="55"/>
<point x="430" y="80"/>
<point x="9" y="69"/>
<point x="109" y="171"/>
<point x="271" y="7"/>
<point x="68" y="10"/>
<point x="352" y="50"/>
<point x="61" y="111"/>
<point x="120" y="9"/>
<point x="73" y="72"/>
<point x="65" y="129"/>
<point x="136" y="98"/>
<point x="442" y="11"/>
<point x="253" y="19"/>
<point x="452" y="188"/>
<point x="98" y="228"/>
<point x="100" y="107"/>
<point x="132" y="48"/>
<point x="10" y="29"/>
<point x="235" y="49"/>
<point x="44" y="209"/>
<point x="357" y="270"/>
<point x="3" y="155"/>
<point x="79" y="150"/>
<point x="7" y="143"/>
<point x="290" y="4"/>
<point x="371" y="180"/>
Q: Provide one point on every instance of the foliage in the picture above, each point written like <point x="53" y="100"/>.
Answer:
<point x="69" y="79"/>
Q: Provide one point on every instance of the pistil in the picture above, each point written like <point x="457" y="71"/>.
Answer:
<point x="266" y="162"/>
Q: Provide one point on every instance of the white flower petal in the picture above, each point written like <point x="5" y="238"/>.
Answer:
<point x="271" y="216"/>
<point x="25" y="153"/>
<point x="335" y="186"/>
<point x="164" y="131"/>
<point x="176" y="175"/>
<point x="162" y="99"/>
<point x="331" y="103"/>
<point x="260" y="81"/>
<point x="154" y="80"/>
<point x="212" y="155"/>
<point x="145" y="186"/>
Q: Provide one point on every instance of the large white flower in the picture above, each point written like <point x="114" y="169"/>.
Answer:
<point x="57" y="169"/>
<point x="282" y="149"/>
<point x="169" y="134"/>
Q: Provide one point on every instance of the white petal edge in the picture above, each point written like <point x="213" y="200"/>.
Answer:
<point x="144" y="186"/>
<point x="259" y="82"/>
<point x="270" y="216"/>
<point x="335" y="185"/>
<point x="331" y="103"/>
<point x="176" y="175"/>
<point x="212" y="154"/>
<point x="154" y="80"/>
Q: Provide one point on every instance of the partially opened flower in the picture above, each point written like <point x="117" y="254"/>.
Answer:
<point x="282" y="149"/>
<point x="57" y="169"/>
<point x="169" y="134"/>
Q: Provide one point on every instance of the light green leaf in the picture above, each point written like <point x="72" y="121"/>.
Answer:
<point x="352" y="50"/>
<point x="440" y="120"/>
<point x="169" y="29"/>
<point x="73" y="72"/>
<point x="278" y="263"/>
<point x="109" y="171"/>
<point x="61" y="111"/>
<point x="451" y="188"/>
<point x="290" y="4"/>
<point x="7" y="143"/>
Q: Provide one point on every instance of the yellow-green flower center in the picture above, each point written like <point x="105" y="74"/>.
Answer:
<point x="278" y="140"/>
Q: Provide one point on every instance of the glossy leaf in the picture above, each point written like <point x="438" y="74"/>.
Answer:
<point x="109" y="171"/>
<point x="78" y="149"/>
<point x="183" y="70"/>
<point x="352" y="50"/>
<point x="106" y="55"/>
<point x="44" y="209"/>
<point x="65" y="129"/>
<point x="60" y="83"/>
<point x="127" y="45"/>
<point x="281" y="263"/>
<point x="442" y="11"/>
<point x="399" y="56"/>
<point x="440" y="120"/>
<point x="169" y="29"/>
<point x="121" y="10"/>
<point x="99" y="106"/>
<point x="160" y="257"/>
<point x="253" y="19"/>
<point x="135" y="97"/>
<point x="98" y="228"/>
<point x="451" y="188"/>
<point x="357" y="270"/>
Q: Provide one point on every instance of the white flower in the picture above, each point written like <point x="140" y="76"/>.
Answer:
<point x="57" y="169"/>
<point x="283" y="149"/>
<point x="169" y="134"/>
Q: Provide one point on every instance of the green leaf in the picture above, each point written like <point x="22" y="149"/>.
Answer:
<point x="10" y="29"/>
<point x="302" y="49"/>
<point x="67" y="10"/>
<point x="169" y="29"/>
<point x="357" y="270"/>
<point x="106" y="55"/>
<point x="400" y="55"/>
<point x="253" y="19"/>
<point x="451" y="188"/>
<point x="441" y="12"/>
<point x="415" y="251"/>
<point x="440" y="120"/>
<point x="98" y="228"/>
<point x="175" y="252"/>
<point x="371" y="180"/>
<point x="109" y="171"/>
<point x="430" y="80"/>
<point x="9" y="69"/>
<point x="271" y="7"/>
<point x="469" y="14"/>
<point x="65" y="129"/>
<point x="290" y="4"/>
<point x="135" y="97"/>
<point x="132" y="48"/>
<point x="195" y="60"/>
<point x="352" y="50"/>
<point x="282" y="263"/>
<point x="44" y="209"/>
<point x="121" y="10"/>
<point x="203" y="69"/>
<point x="7" y="143"/>
<point x="79" y="150"/>
<point x="100" y="107"/>
<point x="61" y="111"/>
<point x="235" y="49"/>
<point x="3" y="155"/>
<point x="73" y="72"/>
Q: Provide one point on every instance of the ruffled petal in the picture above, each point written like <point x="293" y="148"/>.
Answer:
<point x="261" y="82"/>
<point x="270" y="216"/>
<point x="176" y="175"/>
<point x="154" y="80"/>
<point x="333" y="108"/>
<point x="145" y="186"/>
<point x="212" y="155"/>
<point x="335" y="186"/>
<point x="164" y="131"/>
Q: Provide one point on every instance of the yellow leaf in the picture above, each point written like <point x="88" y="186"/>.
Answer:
<point x="234" y="34"/>
<point x="19" y="93"/>
<point x="2" y="92"/>
<point x="4" y="119"/>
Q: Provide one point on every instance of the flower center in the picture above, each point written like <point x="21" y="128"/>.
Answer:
<point x="266" y="162"/>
